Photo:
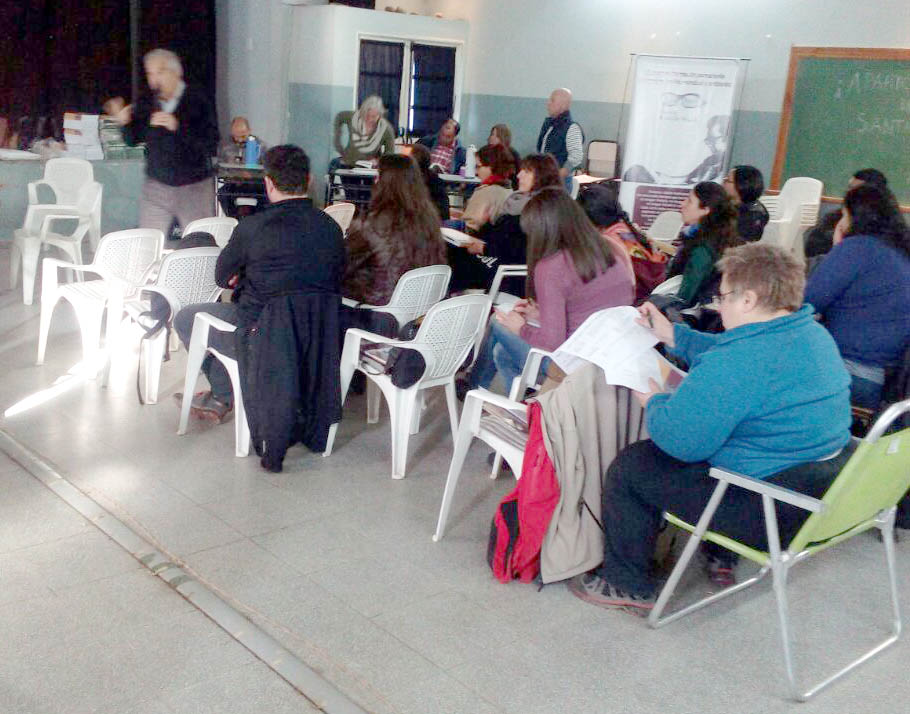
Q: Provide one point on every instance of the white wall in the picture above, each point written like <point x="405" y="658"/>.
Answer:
<point x="253" y="37"/>
<point x="527" y="47"/>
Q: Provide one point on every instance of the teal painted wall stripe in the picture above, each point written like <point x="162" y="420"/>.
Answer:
<point x="312" y="108"/>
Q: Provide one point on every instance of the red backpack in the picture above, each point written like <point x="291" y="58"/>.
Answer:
<point x="523" y="516"/>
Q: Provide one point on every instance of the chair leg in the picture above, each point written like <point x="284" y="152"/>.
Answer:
<point x="241" y="426"/>
<point x="111" y="335"/>
<point x="419" y="406"/>
<point x="497" y="465"/>
<point x="401" y="408"/>
<point x="462" y="443"/>
<point x="373" y="402"/>
<point x="90" y="329"/>
<point x="30" y="250"/>
<point x="195" y="355"/>
<point x="350" y="355"/>
<point x="15" y="263"/>
<point x="47" y="311"/>
<point x="451" y="400"/>
<point x="152" y="357"/>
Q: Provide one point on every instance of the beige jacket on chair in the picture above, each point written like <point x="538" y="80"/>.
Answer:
<point x="586" y="422"/>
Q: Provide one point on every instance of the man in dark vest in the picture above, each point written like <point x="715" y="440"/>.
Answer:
<point x="561" y="136"/>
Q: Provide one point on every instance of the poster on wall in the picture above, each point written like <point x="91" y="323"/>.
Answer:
<point x="679" y="130"/>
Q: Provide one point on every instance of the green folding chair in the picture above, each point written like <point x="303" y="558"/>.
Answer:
<point x="863" y="496"/>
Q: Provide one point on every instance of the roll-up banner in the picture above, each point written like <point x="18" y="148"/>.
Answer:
<point x="679" y="130"/>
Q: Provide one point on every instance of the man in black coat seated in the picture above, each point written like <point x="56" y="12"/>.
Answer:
<point x="285" y="264"/>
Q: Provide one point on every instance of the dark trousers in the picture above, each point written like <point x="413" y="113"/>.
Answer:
<point x="221" y="341"/>
<point x="643" y="481"/>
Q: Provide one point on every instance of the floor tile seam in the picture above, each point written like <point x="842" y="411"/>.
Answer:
<point x="282" y="661"/>
<point x="136" y="522"/>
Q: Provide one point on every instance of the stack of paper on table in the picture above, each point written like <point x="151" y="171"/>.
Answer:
<point x="614" y="341"/>
<point x="81" y="134"/>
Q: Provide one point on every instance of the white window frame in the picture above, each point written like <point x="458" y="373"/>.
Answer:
<point x="407" y="71"/>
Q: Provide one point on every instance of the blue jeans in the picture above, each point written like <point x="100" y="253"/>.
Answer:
<point x="865" y="392"/>
<point x="501" y="351"/>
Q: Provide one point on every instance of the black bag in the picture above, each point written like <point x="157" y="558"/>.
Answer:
<point x="405" y="366"/>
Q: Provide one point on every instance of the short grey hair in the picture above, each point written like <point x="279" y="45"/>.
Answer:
<point x="171" y="60"/>
<point x="372" y="102"/>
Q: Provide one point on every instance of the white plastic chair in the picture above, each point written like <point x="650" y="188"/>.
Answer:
<point x="495" y="420"/>
<point x="415" y="292"/>
<point x="221" y="228"/>
<point x="528" y="379"/>
<point x="199" y="346"/>
<point x="666" y="226"/>
<point x="796" y="210"/>
<point x="342" y="213"/>
<point x="64" y="176"/>
<point x="445" y="337"/>
<point x="122" y="259"/>
<point x="186" y="277"/>
<point x="670" y="286"/>
<point x="35" y="233"/>
<point x="505" y="271"/>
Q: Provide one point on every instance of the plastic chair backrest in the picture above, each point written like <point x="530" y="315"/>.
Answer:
<point x="67" y="175"/>
<point x="798" y="191"/>
<point x="417" y="291"/>
<point x="772" y="203"/>
<point x="189" y="275"/>
<point x="450" y="329"/>
<point x="602" y="156"/>
<point x="342" y="213"/>
<point x="128" y="254"/>
<point x="875" y="478"/>
<point x="666" y="226"/>
<point x="220" y="228"/>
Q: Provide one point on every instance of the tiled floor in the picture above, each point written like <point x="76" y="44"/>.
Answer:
<point x="335" y="559"/>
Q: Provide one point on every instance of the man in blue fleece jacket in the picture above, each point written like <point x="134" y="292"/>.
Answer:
<point x="769" y="397"/>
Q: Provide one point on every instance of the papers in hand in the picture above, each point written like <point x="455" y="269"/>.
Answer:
<point x="614" y="341"/>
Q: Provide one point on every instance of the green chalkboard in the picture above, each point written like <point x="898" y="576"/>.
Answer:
<point x="846" y="109"/>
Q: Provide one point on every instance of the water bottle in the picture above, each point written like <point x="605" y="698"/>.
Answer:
<point x="251" y="151"/>
<point x="470" y="162"/>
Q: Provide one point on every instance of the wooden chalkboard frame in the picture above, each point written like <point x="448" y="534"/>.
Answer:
<point x="797" y="54"/>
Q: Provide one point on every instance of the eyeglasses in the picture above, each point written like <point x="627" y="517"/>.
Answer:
<point x="720" y="297"/>
<point x="689" y="101"/>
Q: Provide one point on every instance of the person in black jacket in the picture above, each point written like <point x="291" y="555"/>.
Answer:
<point x="177" y="122"/>
<point x="285" y="264"/>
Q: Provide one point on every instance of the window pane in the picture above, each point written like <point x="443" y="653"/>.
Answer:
<point x="433" y="83"/>
<point x="381" y="64"/>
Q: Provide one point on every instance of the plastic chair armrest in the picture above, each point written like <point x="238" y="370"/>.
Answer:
<point x="488" y="397"/>
<point x="168" y="294"/>
<point x="778" y="493"/>
<point x="33" y="190"/>
<point x="51" y="217"/>
<point x="215" y="322"/>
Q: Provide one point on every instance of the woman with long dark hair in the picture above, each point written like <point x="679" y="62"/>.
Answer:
<point x="862" y="289"/>
<point x="710" y="228"/>
<point x="572" y="273"/>
<point x="399" y="232"/>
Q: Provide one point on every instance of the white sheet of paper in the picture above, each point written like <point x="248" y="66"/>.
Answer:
<point x="607" y="338"/>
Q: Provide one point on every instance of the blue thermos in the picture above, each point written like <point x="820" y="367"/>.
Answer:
<point x="251" y="151"/>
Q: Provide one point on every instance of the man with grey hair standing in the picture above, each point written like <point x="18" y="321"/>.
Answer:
<point x="561" y="136"/>
<point x="177" y="122"/>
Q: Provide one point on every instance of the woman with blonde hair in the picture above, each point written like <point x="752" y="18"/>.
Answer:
<point x="369" y="133"/>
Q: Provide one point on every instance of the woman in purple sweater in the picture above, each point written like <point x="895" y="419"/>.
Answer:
<point x="572" y="274"/>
